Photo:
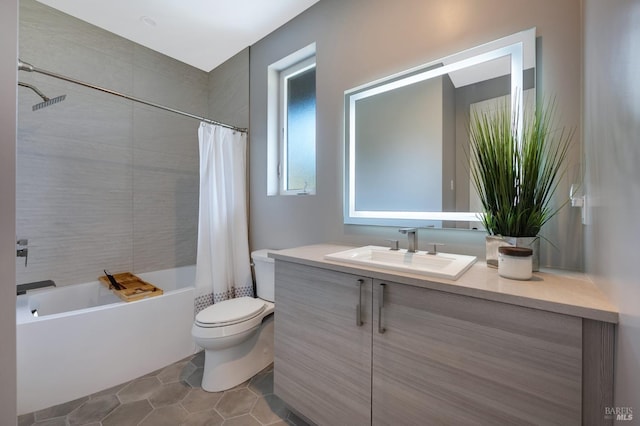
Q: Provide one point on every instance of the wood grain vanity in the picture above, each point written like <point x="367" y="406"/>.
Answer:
<point x="360" y="345"/>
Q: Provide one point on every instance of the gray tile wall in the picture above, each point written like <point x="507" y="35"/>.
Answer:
<point x="229" y="98"/>
<point x="229" y="91"/>
<point x="103" y="182"/>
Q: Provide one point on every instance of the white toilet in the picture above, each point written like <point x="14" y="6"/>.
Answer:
<point x="237" y="334"/>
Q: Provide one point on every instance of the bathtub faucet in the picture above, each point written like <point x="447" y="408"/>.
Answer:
<point x="23" y="288"/>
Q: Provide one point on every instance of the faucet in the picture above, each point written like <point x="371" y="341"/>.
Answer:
<point x="23" y="288"/>
<point x="412" y="235"/>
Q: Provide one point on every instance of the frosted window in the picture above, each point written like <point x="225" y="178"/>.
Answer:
<point x="300" y="146"/>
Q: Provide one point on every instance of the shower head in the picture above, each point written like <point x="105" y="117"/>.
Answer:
<point x="46" y="101"/>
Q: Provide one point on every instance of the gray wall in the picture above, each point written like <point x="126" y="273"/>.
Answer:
<point x="229" y="91"/>
<point x="359" y="41"/>
<point x="8" y="55"/>
<point x="612" y="152"/>
<point x="103" y="182"/>
<point x="229" y="95"/>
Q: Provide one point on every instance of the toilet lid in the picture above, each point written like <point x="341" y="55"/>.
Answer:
<point x="231" y="311"/>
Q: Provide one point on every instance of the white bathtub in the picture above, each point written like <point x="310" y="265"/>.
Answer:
<point x="85" y="339"/>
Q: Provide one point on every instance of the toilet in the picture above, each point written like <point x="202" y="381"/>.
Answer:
<point x="237" y="334"/>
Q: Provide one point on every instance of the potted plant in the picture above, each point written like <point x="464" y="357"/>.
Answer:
<point x="516" y="174"/>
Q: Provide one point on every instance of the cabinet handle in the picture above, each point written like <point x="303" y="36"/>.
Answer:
<point x="381" y="329"/>
<point x="359" y="322"/>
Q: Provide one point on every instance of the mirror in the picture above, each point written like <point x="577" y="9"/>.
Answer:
<point x="406" y="135"/>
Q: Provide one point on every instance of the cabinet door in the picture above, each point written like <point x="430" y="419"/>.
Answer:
<point x="322" y="356"/>
<point x="449" y="359"/>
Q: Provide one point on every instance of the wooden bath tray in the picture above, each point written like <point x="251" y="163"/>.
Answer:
<point x="134" y="287"/>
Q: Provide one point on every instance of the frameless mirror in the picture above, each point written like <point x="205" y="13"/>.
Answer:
<point x="406" y="136"/>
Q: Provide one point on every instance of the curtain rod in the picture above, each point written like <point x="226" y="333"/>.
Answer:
<point x="23" y="66"/>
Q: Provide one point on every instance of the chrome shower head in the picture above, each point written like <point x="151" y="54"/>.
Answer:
<point x="46" y="100"/>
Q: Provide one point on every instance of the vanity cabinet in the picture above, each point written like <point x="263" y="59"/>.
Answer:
<point x="322" y="344"/>
<point x="356" y="350"/>
<point x="442" y="358"/>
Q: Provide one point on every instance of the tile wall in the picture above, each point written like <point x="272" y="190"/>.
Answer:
<point x="103" y="183"/>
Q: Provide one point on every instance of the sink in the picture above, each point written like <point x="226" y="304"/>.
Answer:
<point x="441" y="265"/>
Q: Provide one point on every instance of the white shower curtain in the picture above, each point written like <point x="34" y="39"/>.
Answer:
<point x="223" y="270"/>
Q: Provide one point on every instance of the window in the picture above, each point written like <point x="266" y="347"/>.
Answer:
<point x="292" y="125"/>
<point x="298" y="128"/>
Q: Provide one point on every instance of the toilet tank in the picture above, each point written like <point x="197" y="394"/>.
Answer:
<point x="265" y="274"/>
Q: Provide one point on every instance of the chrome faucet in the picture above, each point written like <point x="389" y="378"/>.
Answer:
<point x="23" y="288"/>
<point x="412" y="235"/>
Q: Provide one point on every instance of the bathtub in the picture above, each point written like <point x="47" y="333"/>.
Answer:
<point x="85" y="339"/>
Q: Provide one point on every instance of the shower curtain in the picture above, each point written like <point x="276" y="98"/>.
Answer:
<point x="223" y="270"/>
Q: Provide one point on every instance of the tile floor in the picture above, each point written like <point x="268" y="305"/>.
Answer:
<point x="172" y="396"/>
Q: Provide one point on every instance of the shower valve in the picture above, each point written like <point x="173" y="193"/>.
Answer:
<point x="22" y="250"/>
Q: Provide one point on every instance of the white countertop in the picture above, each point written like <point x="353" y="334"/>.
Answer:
<point x="563" y="292"/>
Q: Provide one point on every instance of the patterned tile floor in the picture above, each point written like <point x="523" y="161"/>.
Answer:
<point x="172" y="396"/>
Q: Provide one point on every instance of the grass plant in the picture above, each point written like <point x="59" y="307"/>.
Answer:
<point x="515" y="177"/>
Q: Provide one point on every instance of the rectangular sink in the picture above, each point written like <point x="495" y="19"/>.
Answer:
<point x="441" y="265"/>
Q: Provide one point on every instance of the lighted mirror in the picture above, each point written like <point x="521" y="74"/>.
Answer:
<point x="406" y="135"/>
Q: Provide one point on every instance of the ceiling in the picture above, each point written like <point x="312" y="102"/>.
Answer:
<point x="201" y="33"/>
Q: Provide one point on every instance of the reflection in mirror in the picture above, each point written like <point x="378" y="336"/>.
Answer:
<point x="406" y="135"/>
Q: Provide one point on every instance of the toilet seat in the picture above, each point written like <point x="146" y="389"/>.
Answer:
<point x="229" y="312"/>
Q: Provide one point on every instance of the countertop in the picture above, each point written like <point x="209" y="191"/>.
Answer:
<point x="563" y="292"/>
